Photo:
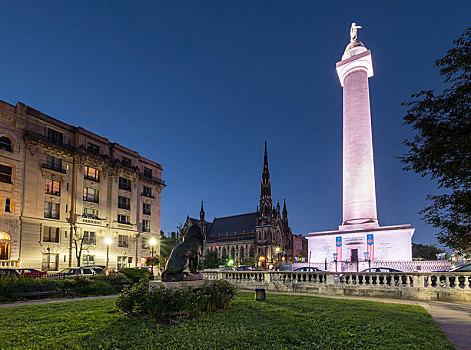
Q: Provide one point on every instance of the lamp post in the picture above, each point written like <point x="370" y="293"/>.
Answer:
<point x="152" y="243"/>
<point x="367" y="258"/>
<point x="335" y="259"/>
<point x="107" y="242"/>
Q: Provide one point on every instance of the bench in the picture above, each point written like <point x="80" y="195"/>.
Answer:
<point x="38" y="291"/>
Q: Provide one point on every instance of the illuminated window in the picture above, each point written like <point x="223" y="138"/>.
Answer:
<point x="5" y="144"/>
<point x="51" y="210"/>
<point x="145" y="243"/>
<point x="124" y="261"/>
<point x="53" y="187"/>
<point x="91" y="174"/>
<point x="6" y="174"/>
<point x="51" y="234"/>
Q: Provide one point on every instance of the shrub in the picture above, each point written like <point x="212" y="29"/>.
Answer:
<point x="135" y="274"/>
<point x="161" y="302"/>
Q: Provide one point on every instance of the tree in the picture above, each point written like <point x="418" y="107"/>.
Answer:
<point x="424" y="251"/>
<point x="441" y="146"/>
<point x="211" y="260"/>
<point x="80" y="242"/>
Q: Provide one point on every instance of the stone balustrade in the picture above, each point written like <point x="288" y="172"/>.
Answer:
<point x="403" y="285"/>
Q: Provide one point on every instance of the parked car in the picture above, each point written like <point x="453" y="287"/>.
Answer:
<point x="466" y="267"/>
<point x="9" y="272"/>
<point x="245" y="268"/>
<point x="307" y="269"/>
<point x="72" y="272"/>
<point x="376" y="279"/>
<point x="33" y="273"/>
<point x="226" y="269"/>
<point x="97" y="268"/>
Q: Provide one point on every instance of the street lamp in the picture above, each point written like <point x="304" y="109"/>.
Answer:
<point x="152" y="243"/>
<point x="108" y="241"/>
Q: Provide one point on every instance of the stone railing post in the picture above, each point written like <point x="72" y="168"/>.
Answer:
<point x="267" y="277"/>
<point x="330" y="278"/>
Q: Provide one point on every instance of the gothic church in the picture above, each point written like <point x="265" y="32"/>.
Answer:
<point x="264" y="235"/>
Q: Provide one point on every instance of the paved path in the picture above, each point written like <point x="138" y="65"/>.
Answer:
<point x="453" y="318"/>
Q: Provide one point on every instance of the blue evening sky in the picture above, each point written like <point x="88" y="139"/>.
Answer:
<point x="199" y="85"/>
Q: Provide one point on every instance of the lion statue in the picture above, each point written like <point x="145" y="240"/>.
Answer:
<point x="186" y="253"/>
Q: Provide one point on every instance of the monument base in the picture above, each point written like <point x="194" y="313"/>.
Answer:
<point x="193" y="281"/>
<point x="361" y="243"/>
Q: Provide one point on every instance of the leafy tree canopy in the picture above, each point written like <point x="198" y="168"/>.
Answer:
<point x="441" y="146"/>
<point x="424" y="251"/>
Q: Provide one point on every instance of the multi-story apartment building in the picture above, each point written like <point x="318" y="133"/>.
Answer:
<point x="70" y="197"/>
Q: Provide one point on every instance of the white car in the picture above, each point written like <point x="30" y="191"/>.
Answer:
<point x="72" y="272"/>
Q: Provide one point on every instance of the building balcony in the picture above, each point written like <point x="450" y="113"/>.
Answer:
<point x="148" y="195"/>
<point x="91" y="178"/>
<point x="54" y="168"/>
<point x="10" y="263"/>
<point x="34" y="136"/>
<point x="92" y="199"/>
<point x="155" y="180"/>
<point x="124" y="187"/>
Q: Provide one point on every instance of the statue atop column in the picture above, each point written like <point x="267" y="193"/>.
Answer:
<point x="353" y="32"/>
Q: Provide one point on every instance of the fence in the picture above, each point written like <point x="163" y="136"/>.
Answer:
<point x="405" y="266"/>
<point x="402" y="285"/>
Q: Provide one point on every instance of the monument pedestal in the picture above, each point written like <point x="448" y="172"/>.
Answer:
<point x="193" y="281"/>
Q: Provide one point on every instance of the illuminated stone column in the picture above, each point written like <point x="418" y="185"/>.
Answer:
<point x="359" y="194"/>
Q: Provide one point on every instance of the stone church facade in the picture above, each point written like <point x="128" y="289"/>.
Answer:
<point x="264" y="235"/>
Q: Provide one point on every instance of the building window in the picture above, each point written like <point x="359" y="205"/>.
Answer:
<point x="5" y="144"/>
<point x="55" y="137"/>
<point x="53" y="187"/>
<point x="126" y="161"/>
<point x="89" y="238"/>
<point x="92" y="148"/>
<point x="54" y="163"/>
<point x="124" y="261"/>
<point x="145" y="243"/>
<point x="123" y="241"/>
<point x="6" y="173"/>
<point x="147" y="191"/>
<point x="90" y="213"/>
<point x="92" y="174"/>
<point x="88" y="260"/>
<point x="147" y="172"/>
<point x="124" y="219"/>
<point x="8" y="205"/>
<point x="145" y="225"/>
<point x="51" y="210"/>
<point x="51" y="234"/>
<point x="124" y="203"/>
<point x="91" y="195"/>
<point x="145" y="209"/>
<point x="50" y="262"/>
<point x="124" y="184"/>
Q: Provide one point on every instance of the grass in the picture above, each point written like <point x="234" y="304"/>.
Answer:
<point x="282" y="322"/>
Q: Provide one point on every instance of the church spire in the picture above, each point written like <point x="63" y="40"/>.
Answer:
<point x="285" y="212"/>
<point x="265" y="195"/>
<point x="202" y="223"/>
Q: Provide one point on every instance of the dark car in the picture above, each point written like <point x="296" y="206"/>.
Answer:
<point x="244" y="268"/>
<point x="32" y="273"/>
<point x="307" y="269"/>
<point x="466" y="267"/>
<point x="226" y="269"/>
<point x="375" y="279"/>
<point x="9" y="272"/>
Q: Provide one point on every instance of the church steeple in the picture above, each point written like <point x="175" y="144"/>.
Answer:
<point x="285" y="212"/>
<point x="201" y="222"/>
<point x="202" y="212"/>
<point x="265" y="195"/>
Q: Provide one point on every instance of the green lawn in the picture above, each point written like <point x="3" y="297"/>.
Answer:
<point x="282" y="322"/>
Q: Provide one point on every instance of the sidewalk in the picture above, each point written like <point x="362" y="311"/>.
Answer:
<point x="48" y="301"/>
<point x="453" y="318"/>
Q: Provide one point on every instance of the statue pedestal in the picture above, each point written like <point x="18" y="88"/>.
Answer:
<point x="193" y="281"/>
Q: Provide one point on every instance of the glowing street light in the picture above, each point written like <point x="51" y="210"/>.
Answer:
<point x="108" y="241"/>
<point x="152" y="243"/>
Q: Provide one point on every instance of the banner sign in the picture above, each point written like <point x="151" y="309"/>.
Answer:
<point x="338" y="247"/>
<point x="370" y="246"/>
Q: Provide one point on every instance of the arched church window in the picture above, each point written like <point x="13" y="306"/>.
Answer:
<point x="5" y="144"/>
<point x="5" y="240"/>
